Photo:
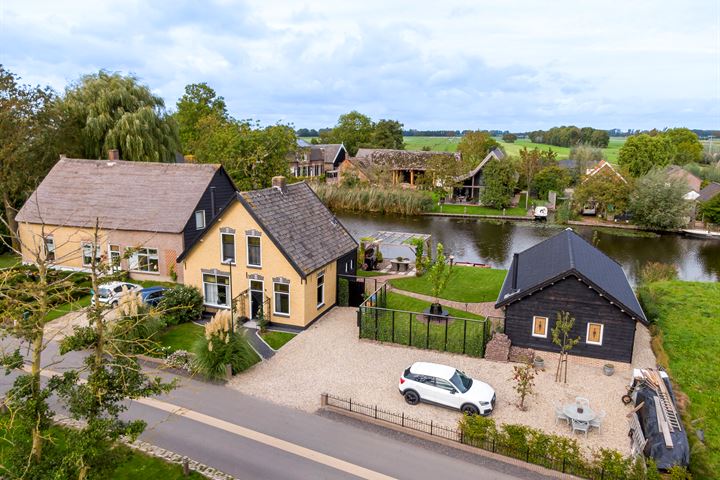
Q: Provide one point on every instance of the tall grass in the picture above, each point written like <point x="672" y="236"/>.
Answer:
<point x="374" y="199"/>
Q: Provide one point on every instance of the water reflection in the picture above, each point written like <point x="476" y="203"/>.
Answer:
<point x="495" y="242"/>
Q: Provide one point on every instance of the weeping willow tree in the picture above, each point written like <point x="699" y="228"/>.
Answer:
<point x="106" y="111"/>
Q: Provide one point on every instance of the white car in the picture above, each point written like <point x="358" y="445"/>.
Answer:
<point x="110" y="293"/>
<point x="446" y="386"/>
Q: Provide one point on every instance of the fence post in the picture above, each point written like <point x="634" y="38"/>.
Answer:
<point x="323" y="400"/>
<point x="527" y="455"/>
<point x="376" y="322"/>
<point x="461" y="436"/>
<point x="563" y="465"/>
<point x="350" y="400"/>
<point x="359" y="321"/>
<point x="446" y="329"/>
<point x="464" y="334"/>
<point x="393" y="326"/>
<point x="376" y="411"/>
<point x="493" y="445"/>
<point x="602" y="473"/>
<point x="402" y="419"/>
<point x="410" y="324"/>
<point x="427" y="333"/>
<point x="431" y="425"/>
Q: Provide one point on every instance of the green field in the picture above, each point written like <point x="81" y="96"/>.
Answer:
<point x="688" y="343"/>
<point x="466" y="284"/>
<point x="436" y="144"/>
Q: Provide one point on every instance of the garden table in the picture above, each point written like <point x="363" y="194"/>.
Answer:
<point x="571" y="411"/>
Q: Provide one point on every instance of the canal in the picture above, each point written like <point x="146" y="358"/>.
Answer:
<point x="494" y="242"/>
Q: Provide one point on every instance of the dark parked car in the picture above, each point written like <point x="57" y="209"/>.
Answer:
<point x="152" y="295"/>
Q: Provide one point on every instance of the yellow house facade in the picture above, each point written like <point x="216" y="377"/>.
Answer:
<point x="274" y="252"/>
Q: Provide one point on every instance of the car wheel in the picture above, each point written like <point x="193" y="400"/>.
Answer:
<point x="114" y="304"/>
<point x="411" y="397"/>
<point x="469" y="409"/>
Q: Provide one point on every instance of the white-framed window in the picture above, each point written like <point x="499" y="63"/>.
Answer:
<point x="594" y="334"/>
<point x="216" y="288"/>
<point x="227" y="247"/>
<point x="145" y="260"/>
<point x="282" y="298"/>
<point x="114" y="255"/>
<point x="254" y="253"/>
<point x="321" y="290"/>
<point x="87" y="251"/>
<point x="49" y="248"/>
<point x="540" y="327"/>
<point x="199" y="219"/>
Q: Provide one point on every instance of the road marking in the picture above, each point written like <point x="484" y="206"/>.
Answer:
<point x="259" y="437"/>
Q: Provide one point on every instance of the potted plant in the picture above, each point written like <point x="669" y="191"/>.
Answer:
<point x="608" y="369"/>
<point x="539" y="363"/>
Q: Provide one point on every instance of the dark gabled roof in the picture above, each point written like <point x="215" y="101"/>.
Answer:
<point x="568" y="254"/>
<point x="298" y="223"/>
<point x="495" y="153"/>
<point x="709" y="192"/>
<point x="567" y="164"/>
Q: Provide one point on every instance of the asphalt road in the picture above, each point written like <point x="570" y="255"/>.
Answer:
<point x="254" y="439"/>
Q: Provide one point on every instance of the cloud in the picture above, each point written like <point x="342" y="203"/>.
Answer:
<point x="516" y="65"/>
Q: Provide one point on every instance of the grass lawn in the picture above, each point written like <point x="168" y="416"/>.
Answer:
<point x="277" y="339"/>
<point x="365" y="273"/>
<point x="8" y="260"/>
<point x="688" y="319"/>
<point x="180" y="337"/>
<point x="411" y="329"/>
<point x="66" y="308"/>
<point x="466" y="284"/>
<point x="153" y="283"/>
<point x="479" y="210"/>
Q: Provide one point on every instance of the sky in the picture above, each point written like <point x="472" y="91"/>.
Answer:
<point x="509" y="65"/>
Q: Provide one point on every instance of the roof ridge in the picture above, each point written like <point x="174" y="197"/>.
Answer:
<point x="570" y="247"/>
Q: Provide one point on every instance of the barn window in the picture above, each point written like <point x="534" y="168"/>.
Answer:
<point x="540" y="326"/>
<point x="594" y="334"/>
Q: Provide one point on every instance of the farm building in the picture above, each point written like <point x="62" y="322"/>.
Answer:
<point x="566" y="273"/>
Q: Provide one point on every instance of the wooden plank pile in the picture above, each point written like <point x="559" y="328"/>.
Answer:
<point x="667" y="415"/>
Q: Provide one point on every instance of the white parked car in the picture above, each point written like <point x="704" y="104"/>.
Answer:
<point x="446" y="386"/>
<point x="110" y="293"/>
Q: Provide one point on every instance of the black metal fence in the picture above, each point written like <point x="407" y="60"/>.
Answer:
<point x="352" y="289"/>
<point x="494" y="444"/>
<point x="419" y="329"/>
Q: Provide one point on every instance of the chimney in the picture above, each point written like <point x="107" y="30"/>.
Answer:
<point x="114" y="154"/>
<point x="280" y="183"/>
<point x="516" y="257"/>
<point x="212" y="202"/>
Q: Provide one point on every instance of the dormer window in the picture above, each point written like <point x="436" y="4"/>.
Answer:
<point x="199" y="219"/>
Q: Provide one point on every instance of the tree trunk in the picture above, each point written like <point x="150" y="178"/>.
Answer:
<point x="37" y="438"/>
<point x="12" y="224"/>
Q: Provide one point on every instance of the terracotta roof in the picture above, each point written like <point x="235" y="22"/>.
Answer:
<point x="123" y="195"/>
<point x="567" y="253"/>
<point x="693" y="182"/>
<point x="300" y="225"/>
<point x="709" y="192"/>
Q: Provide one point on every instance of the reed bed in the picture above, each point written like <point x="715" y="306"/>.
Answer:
<point x="374" y="199"/>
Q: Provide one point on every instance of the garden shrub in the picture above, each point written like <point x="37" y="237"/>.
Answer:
<point x="136" y="326"/>
<point x="649" y="301"/>
<point x="343" y="292"/>
<point x="220" y="347"/>
<point x="477" y="430"/>
<point x="181" y="304"/>
<point x="180" y="359"/>
<point x="658" y="271"/>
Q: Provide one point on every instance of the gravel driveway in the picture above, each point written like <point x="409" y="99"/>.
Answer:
<point x="329" y="357"/>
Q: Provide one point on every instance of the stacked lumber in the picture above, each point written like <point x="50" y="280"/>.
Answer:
<point x="667" y="415"/>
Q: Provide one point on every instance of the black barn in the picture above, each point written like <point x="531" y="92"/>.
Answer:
<point x="566" y="273"/>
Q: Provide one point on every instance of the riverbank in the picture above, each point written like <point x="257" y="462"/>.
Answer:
<point x="473" y="215"/>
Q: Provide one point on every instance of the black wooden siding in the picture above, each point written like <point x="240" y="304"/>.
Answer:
<point x="347" y="264"/>
<point x="224" y="191"/>
<point x="585" y="305"/>
<point x="340" y="158"/>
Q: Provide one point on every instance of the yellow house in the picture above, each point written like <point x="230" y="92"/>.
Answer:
<point x="275" y="252"/>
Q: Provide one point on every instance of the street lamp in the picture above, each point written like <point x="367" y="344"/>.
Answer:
<point x="229" y="262"/>
<point x="452" y="260"/>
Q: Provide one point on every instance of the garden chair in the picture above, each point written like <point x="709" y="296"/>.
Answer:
<point x="560" y="414"/>
<point x="579" y="426"/>
<point x="582" y="402"/>
<point x="597" y="421"/>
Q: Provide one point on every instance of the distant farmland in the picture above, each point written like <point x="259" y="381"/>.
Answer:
<point x="449" y="144"/>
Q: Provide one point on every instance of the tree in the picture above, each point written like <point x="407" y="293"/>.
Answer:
<point x="198" y="101"/>
<point x="641" y="153"/>
<point x="609" y="192"/>
<point x="658" y="202"/>
<point x="439" y="273"/>
<point x="688" y="148"/>
<point x="352" y="129"/>
<point x="561" y="338"/>
<point x="524" y="376"/>
<point x="388" y="134"/>
<point x="509" y="137"/>
<point x="531" y="161"/>
<point x="107" y="111"/>
<point x="27" y="144"/>
<point x="552" y="178"/>
<point x="585" y="157"/>
<point x="500" y="178"/>
<point x="475" y="145"/>
<point x="711" y="210"/>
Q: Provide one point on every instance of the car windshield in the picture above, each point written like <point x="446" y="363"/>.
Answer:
<point x="461" y="381"/>
<point x="104" y="292"/>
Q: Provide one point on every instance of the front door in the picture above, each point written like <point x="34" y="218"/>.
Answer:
<point x="256" y="298"/>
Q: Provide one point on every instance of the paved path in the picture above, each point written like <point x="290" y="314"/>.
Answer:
<point x="485" y="309"/>
<point x="262" y="348"/>
<point x="254" y="439"/>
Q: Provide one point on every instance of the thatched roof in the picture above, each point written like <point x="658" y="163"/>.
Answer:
<point x="401" y="159"/>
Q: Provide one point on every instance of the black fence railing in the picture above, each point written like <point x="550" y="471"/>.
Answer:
<point x="419" y="329"/>
<point x="494" y="444"/>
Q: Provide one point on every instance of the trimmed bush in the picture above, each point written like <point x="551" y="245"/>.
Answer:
<point x="343" y="292"/>
<point x="181" y="304"/>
